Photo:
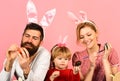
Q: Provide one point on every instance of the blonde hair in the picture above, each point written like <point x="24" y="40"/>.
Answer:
<point x="90" y="24"/>
<point x="60" y="50"/>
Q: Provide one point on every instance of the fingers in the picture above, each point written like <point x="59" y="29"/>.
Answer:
<point x="12" y="48"/>
<point x="23" y="53"/>
<point x="56" y="74"/>
<point x="76" y="69"/>
<point x="107" y="48"/>
<point x="12" y="52"/>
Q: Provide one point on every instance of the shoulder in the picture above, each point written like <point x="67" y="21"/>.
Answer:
<point x="43" y="50"/>
<point x="80" y="53"/>
<point x="43" y="53"/>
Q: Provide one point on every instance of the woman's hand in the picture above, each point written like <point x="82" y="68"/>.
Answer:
<point x="93" y="58"/>
<point x="107" y="48"/>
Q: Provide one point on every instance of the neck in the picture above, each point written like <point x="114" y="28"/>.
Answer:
<point x="32" y="57"/>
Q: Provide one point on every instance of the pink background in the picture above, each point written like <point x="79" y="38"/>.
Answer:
<point x="13" y="19"/>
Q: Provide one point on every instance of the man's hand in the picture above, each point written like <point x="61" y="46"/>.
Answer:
<point x="11" y="56"/>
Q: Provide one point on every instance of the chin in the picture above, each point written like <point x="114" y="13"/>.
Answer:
<point x="89" y="46"/>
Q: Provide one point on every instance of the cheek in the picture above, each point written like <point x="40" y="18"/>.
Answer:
<point x="56" y="61"/>
<point x="81" y="40"/>
<point x="95" y="38"/>
<point x="36" y="43"/>
<point x="67" y="61"/>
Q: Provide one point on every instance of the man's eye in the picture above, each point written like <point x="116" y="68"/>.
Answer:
<point x="35" y="38"/>
<point x="26" y="35"/>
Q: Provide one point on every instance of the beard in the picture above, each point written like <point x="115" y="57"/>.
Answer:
<point x="32" y="49"/>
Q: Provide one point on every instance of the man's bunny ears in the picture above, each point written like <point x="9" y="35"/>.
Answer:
<point x="82" y="17"/>
<point x="32" y="15"/>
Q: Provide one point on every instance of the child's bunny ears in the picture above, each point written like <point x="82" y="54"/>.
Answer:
<point x="62" y="42"/>
<point x="82" y="17"/>
<point x="32" y="15"/>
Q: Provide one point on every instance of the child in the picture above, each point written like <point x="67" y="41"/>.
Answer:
<point x="60" y="57"/>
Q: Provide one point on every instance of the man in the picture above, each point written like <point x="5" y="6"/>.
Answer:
<point x="29" y="62"/>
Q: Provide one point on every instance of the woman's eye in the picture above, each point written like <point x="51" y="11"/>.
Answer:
<point x="81" y="37"/>
<point x="89" y="34"/>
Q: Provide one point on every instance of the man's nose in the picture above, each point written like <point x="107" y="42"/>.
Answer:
<point x="30" y="39"/>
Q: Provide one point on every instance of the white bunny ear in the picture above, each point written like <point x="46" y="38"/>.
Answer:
<point x="60" y="39"/>
<point x="83" y="16"/>
<point x="63" y="41"/>
<point x="73" y="17"/>
<point x="31" y="12"/>
<point x="48" y="17"/>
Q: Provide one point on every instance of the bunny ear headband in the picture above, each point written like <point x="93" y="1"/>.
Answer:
<point x="81" y="19"/>
<point x="32" y="15"/>
<point x="62" y="42"/>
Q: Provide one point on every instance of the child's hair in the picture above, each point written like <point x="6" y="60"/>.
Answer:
<point x="60" y="49"/>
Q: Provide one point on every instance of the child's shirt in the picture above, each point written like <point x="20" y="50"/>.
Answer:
<point x="65" y="75"/>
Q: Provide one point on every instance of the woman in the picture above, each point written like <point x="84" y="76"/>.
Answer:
<point x="98" y="62"/>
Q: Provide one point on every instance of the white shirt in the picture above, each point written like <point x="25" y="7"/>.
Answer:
<point x="39" y="68"/>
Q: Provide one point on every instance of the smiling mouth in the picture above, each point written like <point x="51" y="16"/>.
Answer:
<point x="28" y="46"/>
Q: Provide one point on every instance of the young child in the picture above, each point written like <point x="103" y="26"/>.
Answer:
<point x="58" y="71"/>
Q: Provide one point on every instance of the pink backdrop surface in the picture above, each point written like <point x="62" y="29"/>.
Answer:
<point x="13" y="19"/>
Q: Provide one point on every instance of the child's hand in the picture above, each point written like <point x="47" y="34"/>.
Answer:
<point x="76" y="69"/>
<point x="54" y="75"/>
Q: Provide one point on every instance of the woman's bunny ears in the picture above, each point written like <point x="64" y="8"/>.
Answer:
<point x="82" y="17"/>
<point x="32" y="15"/>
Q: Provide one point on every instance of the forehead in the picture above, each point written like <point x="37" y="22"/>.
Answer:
<point x="33" y="32"/>
<point x="61" y="56"/>
<point x="86" y="30"/>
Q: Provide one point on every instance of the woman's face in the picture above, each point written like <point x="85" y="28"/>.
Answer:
<point x="88" y="37"/>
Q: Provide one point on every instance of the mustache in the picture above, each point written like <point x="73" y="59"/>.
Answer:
<point x="25" y="43"/>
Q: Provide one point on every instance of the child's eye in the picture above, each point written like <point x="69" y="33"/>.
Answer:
<point x="59" y="58"/>
<point x="66" y="58"/>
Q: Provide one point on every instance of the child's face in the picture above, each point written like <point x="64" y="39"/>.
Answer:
<point x="61" y="62"/>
